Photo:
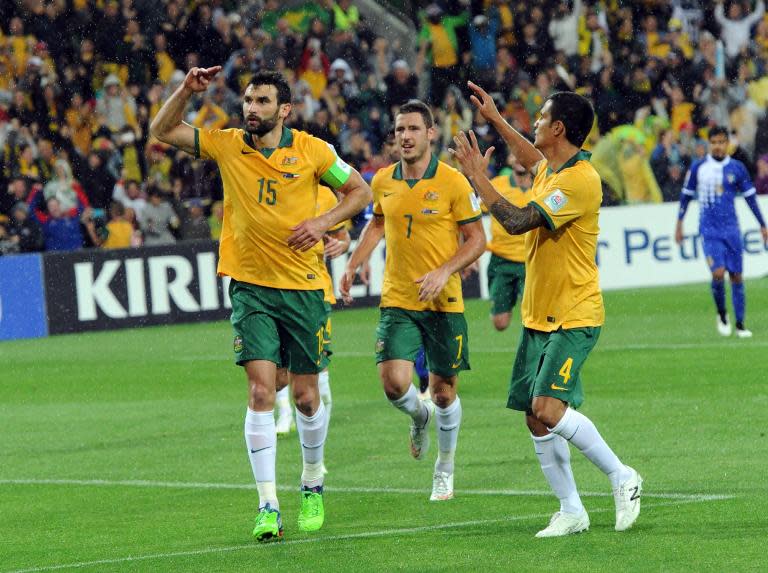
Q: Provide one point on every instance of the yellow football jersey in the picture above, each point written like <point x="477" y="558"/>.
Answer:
<point x="421" y="230"/>
<point x="326" y="200"/>
<point x="265" y="194"/>
<point x="502" y="244"/>
<point x="561" y="280"/>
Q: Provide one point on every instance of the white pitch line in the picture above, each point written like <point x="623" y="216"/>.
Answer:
<point x="330" y="538"/>
<point x="342" y="489"/>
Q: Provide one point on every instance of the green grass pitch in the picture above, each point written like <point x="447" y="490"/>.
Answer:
<point x="123" y="451"/>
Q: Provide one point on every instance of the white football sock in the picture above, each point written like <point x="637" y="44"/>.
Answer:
<point x="261" y="441"/>
<point x="324" y="385"/>
<point x="448" y="423"/>
<point x="410" y="404"/>
<point x="283" y="402"/>
<point x="555" y="460"/>
<point x="312" y="433"/>
<point x="582" y="433"/>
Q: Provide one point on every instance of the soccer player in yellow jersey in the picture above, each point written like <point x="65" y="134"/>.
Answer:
<point x="271" y="175"/>
<point x="562" y="304"/>
<point x="422" y="206"/>
<point x="506" y="269"/>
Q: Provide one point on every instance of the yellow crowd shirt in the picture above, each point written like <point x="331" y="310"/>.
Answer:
<point x="502" y="244"/>
<point x="266" y="192"/>
<point x="421" y="229"/>
<point x="326" y="200"/>
<point x="561" y="282"/>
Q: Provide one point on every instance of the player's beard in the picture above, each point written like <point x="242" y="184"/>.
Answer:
<point x="263" y="127"/>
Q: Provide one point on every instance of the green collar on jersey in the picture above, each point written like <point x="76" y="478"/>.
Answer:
<point x="428" y="174"/>
<point x="286" y="140"/>
<point x="580" y="155"/>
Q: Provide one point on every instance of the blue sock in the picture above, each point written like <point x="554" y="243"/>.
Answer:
<point x="421" y="364"/>
<point x="718" y="292"/>
<point x="739" y="301"/>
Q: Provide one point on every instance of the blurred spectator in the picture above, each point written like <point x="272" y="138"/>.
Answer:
<point x="97" y="181"/>
<point x="17" y="192"/>
<point x="130" y="196"/>
<point x="761" y="181"/>
<point x="483" y="32"/>
<point x="402" y="85"/>
<point x="64" y="188"/>
<point x="216" y="219"/>
<point x="735" y="28"/>
<point x="119" y="230"/>
<point x="23" y="230"/>
<point x="115" y="106"/>
<point x="158" y="219"/>
<point x="564" y="27"/>
<point x="194" y="224"/>
<point x="438" y="40"/>
<point x="61" y="229"/>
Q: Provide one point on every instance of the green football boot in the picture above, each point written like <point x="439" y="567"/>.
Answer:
<point x="269" y="525"/>
<point x="312" y="513"/>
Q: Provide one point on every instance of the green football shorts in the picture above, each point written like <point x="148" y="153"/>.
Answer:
<point x="325" y="359"/>
<point x="549" y="364"/>
<point x="402" y="332"/>
<point x="505" y="283"/>
<point x="284" y="326"/>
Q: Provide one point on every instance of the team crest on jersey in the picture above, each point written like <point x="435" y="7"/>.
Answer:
<point x="731" y="178"/>
<point x="238" y="344"/>
<point x="431" y="196"/>
<point x="556" y="200"/>
<point x="290" y="161"/>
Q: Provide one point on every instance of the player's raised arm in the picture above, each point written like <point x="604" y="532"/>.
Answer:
<point x="167" y="126"/>
<point x="520" y="147"/>
<point x="474" y="165"/>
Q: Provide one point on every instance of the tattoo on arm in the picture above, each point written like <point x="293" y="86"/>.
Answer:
<point x="515" y="220"/>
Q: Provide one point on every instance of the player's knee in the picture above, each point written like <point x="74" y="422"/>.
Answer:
<point x="392" y="391"/>
<point x="500" y="321"/>
<point x="736" y="278"/>
<point x="305" y="399"/>
<point x="718" y="274"/>
<point x="260" y="396"/>
<point x="548" y="412"/>
<point x="443" y="397"/>
<point x="281" y="379"/>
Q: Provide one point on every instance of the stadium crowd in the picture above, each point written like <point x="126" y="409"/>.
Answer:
<point x="80" y="80"/>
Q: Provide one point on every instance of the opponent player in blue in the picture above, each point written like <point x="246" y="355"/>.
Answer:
<point x="715" y="181"/>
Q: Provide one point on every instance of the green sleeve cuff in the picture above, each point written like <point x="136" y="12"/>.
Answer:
<point x="197" y="143"/>
<point x="471" y="220"/>
<point x="547" y="218"/>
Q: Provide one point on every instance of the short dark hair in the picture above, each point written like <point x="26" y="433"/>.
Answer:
<point x="267" y="78"/>
<point x="717" y="130"/>
<point x="418" y="106"/>
<point x="576" y="114"/>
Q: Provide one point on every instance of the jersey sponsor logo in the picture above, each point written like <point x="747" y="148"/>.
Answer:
<point x="474" y="202"/>
<point x="431" y="196"/>
<point x="238" y="344"/>
<point x="311" y="276"/>
<point x="558" y="388"/>
<point x="290" y="161"/>
<point x="429" y="211"/>
<point x="551" y="319"/>
<point x="388" y="194"/>
<point x="291" y="175"/>
<point x="635" y="493"/>
<point x="380" y="345"/>
<point x="556" y="200"/>
<point x="247" y="152"/>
